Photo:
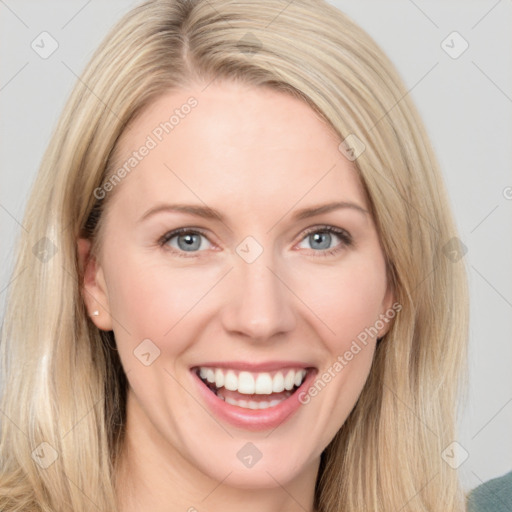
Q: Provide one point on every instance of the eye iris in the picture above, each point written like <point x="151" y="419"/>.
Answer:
<point x="322" y="238"/>
<point x="189" y="242"/>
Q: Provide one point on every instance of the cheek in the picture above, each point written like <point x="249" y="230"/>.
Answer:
<point x="148" y="299"/>
<point x="346" y="299"/>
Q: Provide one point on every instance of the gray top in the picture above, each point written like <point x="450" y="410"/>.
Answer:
<point x="492" y="496"/>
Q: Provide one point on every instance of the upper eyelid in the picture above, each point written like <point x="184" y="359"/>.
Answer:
<point x="169" y="235"/>
<point x="345" y="235"/>
<point x="326" y="227"/>
<point x="340" y="232"/>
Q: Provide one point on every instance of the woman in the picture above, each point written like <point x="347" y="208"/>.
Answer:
<point x="239" y="285"/>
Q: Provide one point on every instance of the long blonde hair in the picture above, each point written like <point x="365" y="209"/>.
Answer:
<point x="63" y="402"/>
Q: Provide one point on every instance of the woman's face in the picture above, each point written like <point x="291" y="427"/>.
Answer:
<point x="275" y="280"/>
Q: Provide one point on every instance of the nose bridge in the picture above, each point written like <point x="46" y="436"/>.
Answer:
<point x="259" y="305"/>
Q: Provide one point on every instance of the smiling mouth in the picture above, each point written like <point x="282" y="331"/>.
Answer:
<point x="252" y="390"/>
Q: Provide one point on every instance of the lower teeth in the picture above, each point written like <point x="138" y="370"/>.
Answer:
<point x="252" y="404"/>
<point x="249" y="404"/>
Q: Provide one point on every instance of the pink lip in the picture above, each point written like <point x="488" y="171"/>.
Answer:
<point x="253" y="419"/>
<point x="266" y="366"/>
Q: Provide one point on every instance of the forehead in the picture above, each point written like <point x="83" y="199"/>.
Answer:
<point x="232" y="143"/>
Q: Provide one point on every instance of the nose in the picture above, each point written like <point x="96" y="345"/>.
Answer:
<point x="259" y="306"/>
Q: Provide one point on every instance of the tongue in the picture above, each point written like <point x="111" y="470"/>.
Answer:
<point x="226" y="393"/>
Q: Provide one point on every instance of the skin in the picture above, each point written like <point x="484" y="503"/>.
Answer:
<point x="257" y="156"/>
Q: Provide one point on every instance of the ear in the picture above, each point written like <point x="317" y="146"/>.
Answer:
<point x="389" y="311"/>
<point x="93" y="288"/>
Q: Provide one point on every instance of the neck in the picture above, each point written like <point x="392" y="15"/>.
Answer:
<point x="153" y="475"/>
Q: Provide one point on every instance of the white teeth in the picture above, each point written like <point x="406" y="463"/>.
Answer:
<point x="299" y="377"/>
<point x="219" y="378"/>
<point x="263" y="384"/>
<point x="289" y="380"/>
<point x="250" y="383"/>
<point x="278" y="383"/>
<point x="252" y="404"/>
<point x="231" y="381"/>
<point x="246" y="383"/>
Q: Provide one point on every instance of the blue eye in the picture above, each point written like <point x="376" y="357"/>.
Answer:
<point x="186" y="240"/>
<point x="321" y="239"/>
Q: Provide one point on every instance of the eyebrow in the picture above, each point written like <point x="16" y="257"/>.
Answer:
<point x="209" y="213"/>
<point x="326" y="208"/>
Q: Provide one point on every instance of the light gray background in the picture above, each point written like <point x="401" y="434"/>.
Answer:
<point x="466" y="104"/>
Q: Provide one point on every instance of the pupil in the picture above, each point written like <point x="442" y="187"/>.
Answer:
<point x="189" y="242"/>
<point x="322" y="239"/>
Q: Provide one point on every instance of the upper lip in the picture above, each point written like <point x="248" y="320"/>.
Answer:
<point x="264" y="366"/>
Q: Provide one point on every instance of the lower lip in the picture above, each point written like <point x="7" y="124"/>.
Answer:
<point x="254" y="419"/>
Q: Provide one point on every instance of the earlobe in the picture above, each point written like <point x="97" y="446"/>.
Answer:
<point x="93" y="287"/>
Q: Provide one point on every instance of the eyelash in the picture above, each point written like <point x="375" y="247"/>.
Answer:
<point x="344" y="236"/>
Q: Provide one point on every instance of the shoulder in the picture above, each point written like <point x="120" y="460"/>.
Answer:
<point x="492" y="496"/>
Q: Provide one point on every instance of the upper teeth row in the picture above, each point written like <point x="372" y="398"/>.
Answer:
<point x="249" y="383"/>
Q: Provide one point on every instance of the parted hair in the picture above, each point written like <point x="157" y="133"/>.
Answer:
<point x="63" y="387"/>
